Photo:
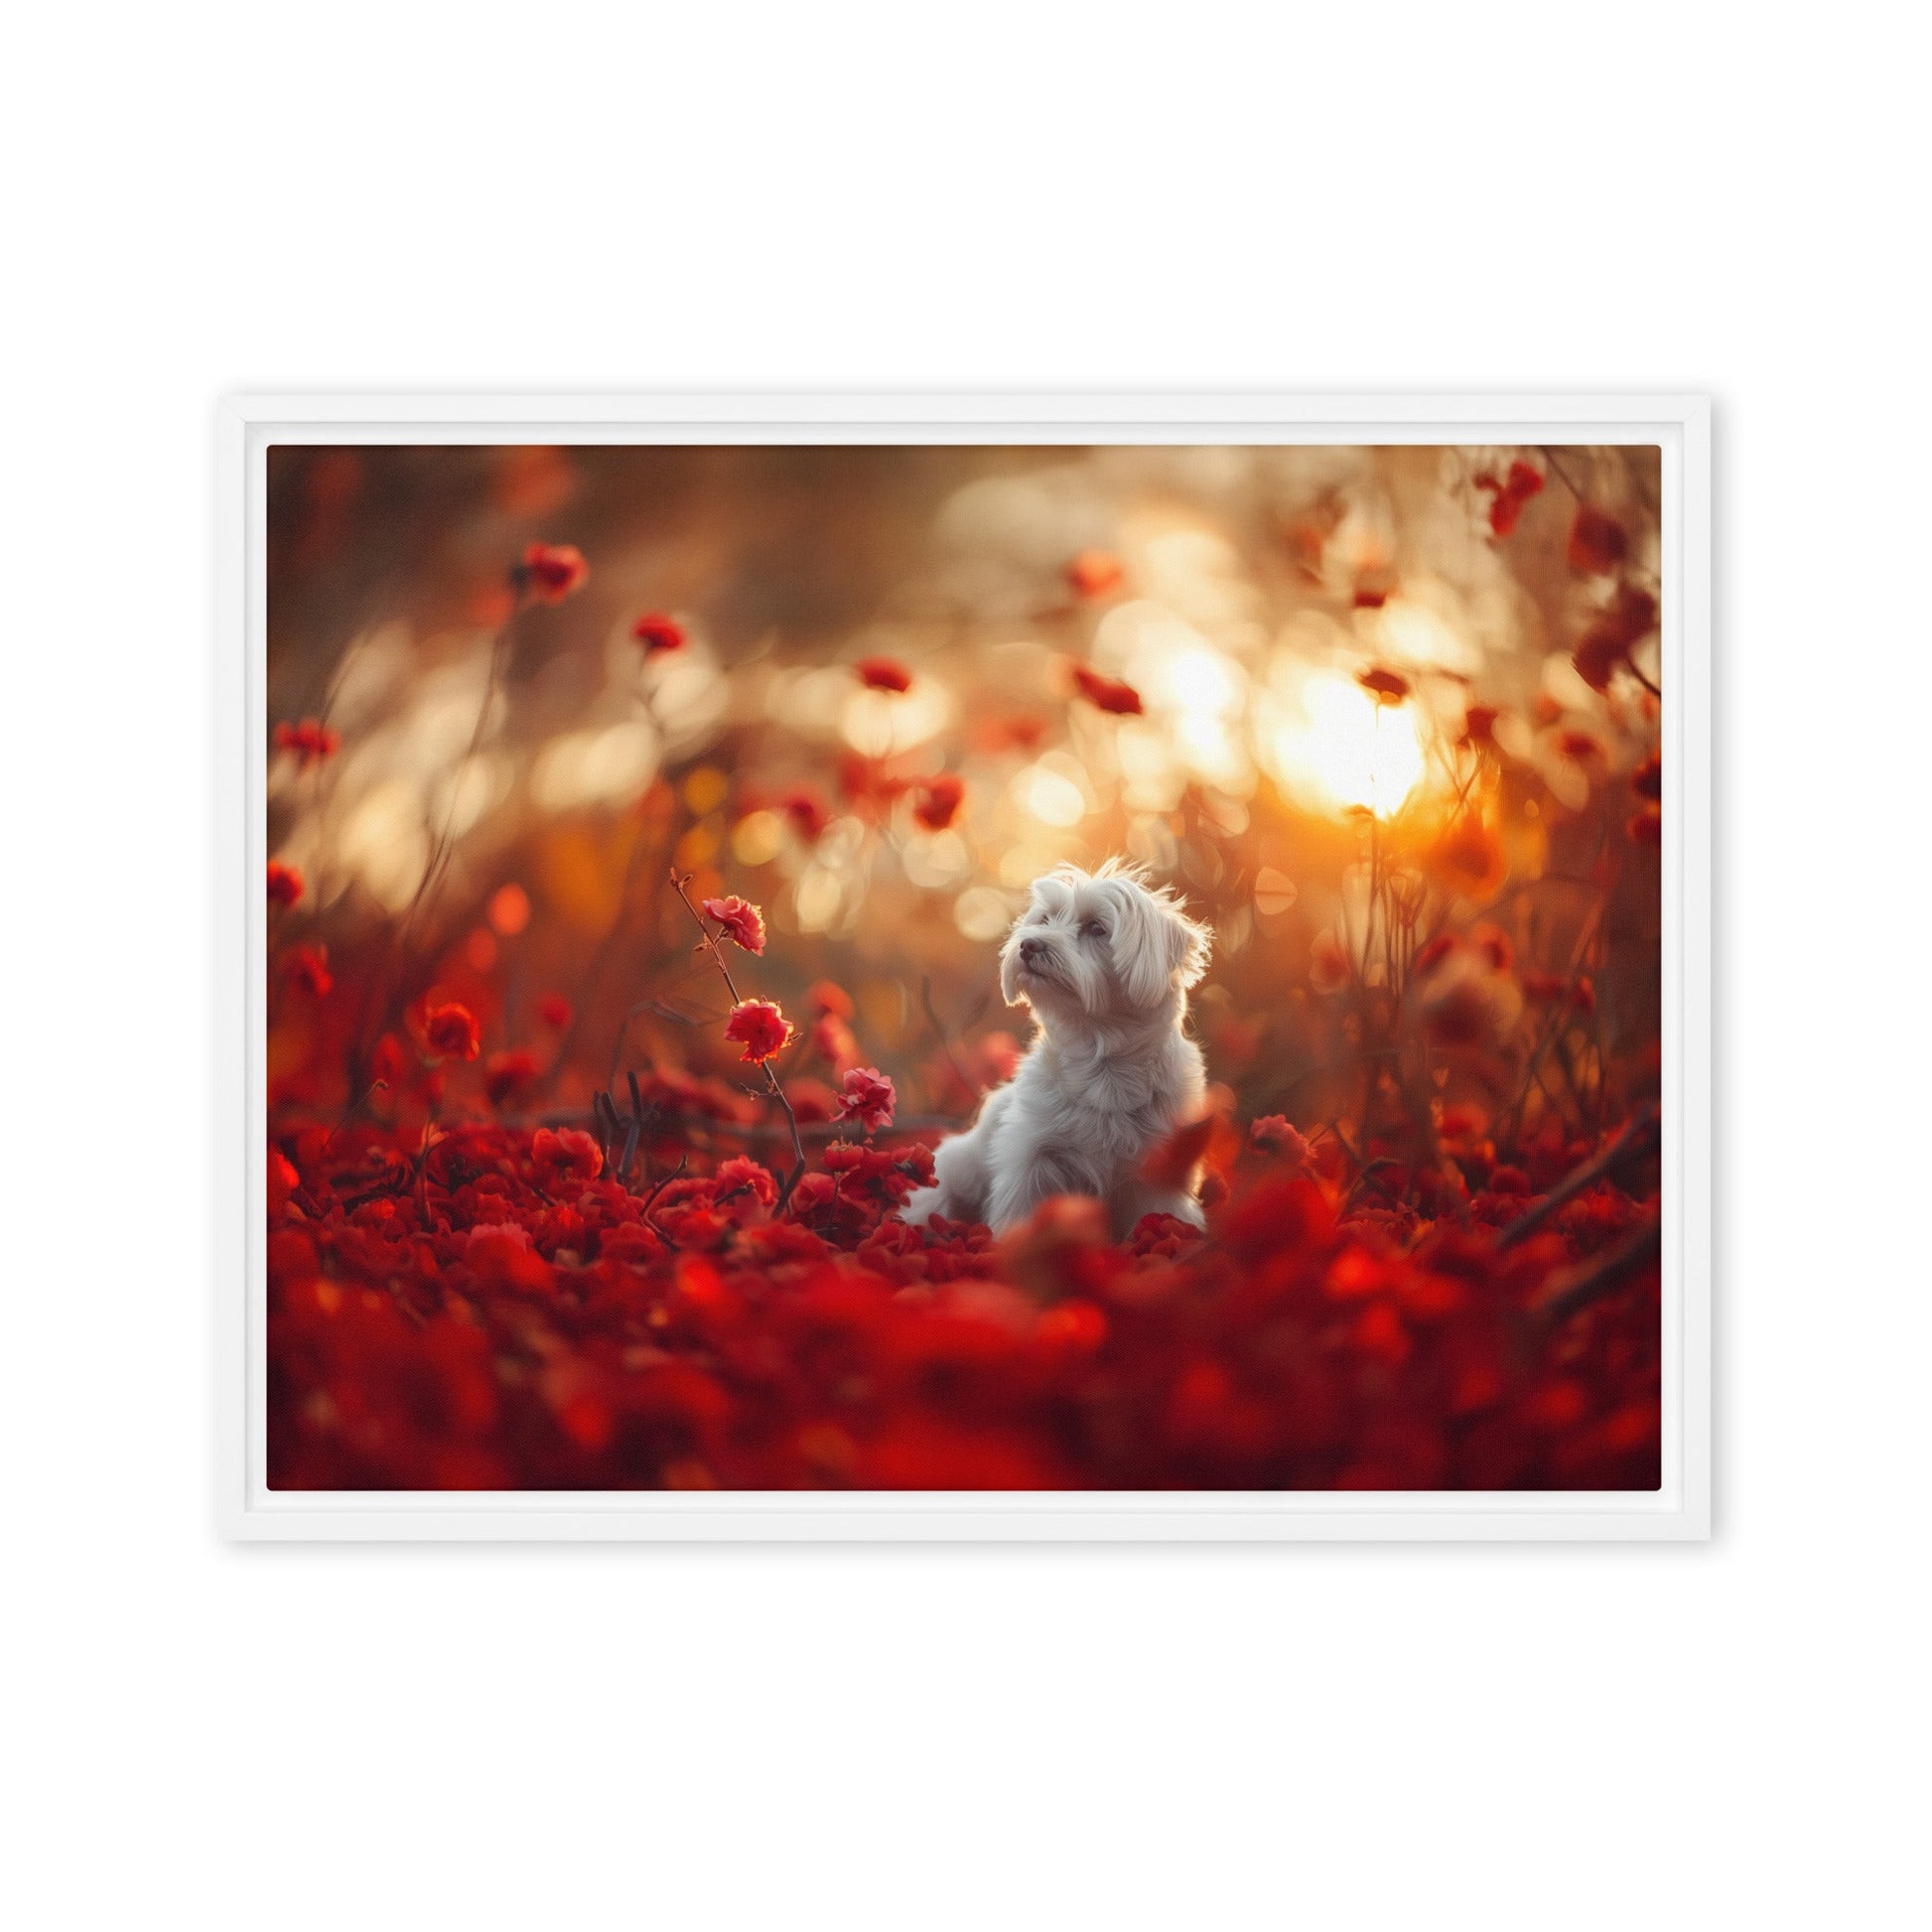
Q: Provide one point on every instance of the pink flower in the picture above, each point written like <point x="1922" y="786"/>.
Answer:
<point x="869" y="1098"/>
<point x="761" y="1027"/>
<point x="744" y="924"/>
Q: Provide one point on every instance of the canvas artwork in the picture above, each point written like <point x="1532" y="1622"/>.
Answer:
<point x="884" y="967"/>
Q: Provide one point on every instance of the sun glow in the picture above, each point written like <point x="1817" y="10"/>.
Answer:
<point x="1344" y="749"/>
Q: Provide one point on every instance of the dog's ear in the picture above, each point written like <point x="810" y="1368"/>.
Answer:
<point x="1157" y="946"/>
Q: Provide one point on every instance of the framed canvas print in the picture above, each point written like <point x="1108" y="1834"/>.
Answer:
<point x="965" y="967"/>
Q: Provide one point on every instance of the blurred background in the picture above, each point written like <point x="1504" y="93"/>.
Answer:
<point x="1386" y="716"/>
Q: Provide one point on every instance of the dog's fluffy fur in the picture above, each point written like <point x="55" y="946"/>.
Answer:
<point x="1104" y="960"/>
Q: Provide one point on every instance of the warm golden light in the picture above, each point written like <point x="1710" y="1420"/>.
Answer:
<point x="1348" y="748"/>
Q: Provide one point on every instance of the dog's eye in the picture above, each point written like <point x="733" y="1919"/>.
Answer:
<point x="1093" y="929"/>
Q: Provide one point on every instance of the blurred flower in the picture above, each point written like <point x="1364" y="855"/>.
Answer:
<point x="825" y="996"/>
<point x="310" y="739"/>
<point x="284" y="883"/>
<point x="388" y="1063"/>
<point x="1106" y="692"/>
<point x="1647" y="827"/>
<point x="309" y="969"/>
<point x="1093" y="573"/>
<point x="1479" y="724"/>
<point x="554" y="1011"/>
<point x="869" y="1098"/>
<point x="742" y="924"/>
<point x="565" y="1154"/>
<point x="1647" y="780"/>
<point x="656" y="633"/>
<point x="1492" y="942"/>
<point x="1273" y="1134"/>
<point x="761" y="1027"/>
<point x="808" y="814"/>
<point x="1328" y="968"/>
<point x="508" y="1077"/>
<point x="509" y="910"/>
<point x="500" y="1256"/>
<point x="1468" y="858"/>
<point x="1523" y="481"/>
<point x="883" y="674"/>
<point x="1629" y="618"/>
<point x="939" y="802"/>
<point x="1466" y="1001"/>
<point x="1598" y="542"/>
<point x="1386" y="687"/>
<point x="450" y="1031"/>
<point x="742" y="1176"/>
<point x="554" y="570"/>
<point x="833" y="1040"/>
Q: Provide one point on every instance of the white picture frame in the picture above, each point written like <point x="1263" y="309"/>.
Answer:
<point x="248" y="424"/>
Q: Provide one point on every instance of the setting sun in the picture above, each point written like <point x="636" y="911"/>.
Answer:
<point x="1348" y="748"/>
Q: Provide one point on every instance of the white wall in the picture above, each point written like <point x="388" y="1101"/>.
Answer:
<point x="1517" y="197"/>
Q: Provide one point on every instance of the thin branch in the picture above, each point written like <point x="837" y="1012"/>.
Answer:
<point x="1634" y="1140"/>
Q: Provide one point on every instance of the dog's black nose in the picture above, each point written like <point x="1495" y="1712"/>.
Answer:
<point x="1031" y="949"/>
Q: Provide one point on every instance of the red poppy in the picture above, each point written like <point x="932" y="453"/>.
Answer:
<point x="309" y="969"/>
<point x="1386" y="687"/>
<point x="869" y="1098"/>
<point x="1597" y="543"/>
<point x="744" y="924"/>
<point x="450" y="1031"/>
<point x="1509" y="495"/>
<point x="761" y="1027"/>
<point x="1093" y="573"/>
<point x="565" y="1154"/>
<point x="883" y="674"/>
<point x="508" y="1077"/>
<point x="655" y="631"/>
<point x="284" y="883"/>
<point x="1479" y="724"/>
<point x="309" y="738"/>
<point x="808" y="814"/>
<point x="1109" y="694"/>
<point x="825" y="996"/>
<point x="554" y="570"/>
<point x="1617" y="631"/>
<point x="939" y="802"/>
<point x="554" y="1011"/>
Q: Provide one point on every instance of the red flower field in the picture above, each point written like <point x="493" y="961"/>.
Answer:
<point x="625" y="970"/>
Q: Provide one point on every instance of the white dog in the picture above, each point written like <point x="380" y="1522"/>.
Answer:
<point x="1105" y="961"/>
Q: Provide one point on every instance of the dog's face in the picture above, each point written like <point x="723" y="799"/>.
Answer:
<point x="1100" y="946"/>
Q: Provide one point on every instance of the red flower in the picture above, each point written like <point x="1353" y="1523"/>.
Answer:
<point x="1106" y="692"/>
<point x="761" y="1027"/>
<point x="507" y="1078"/>
<point x="744" y="924"/>
<point x="743" y="1175"/>
<point x="1479" y="724"/>
<point x="1579" y="746"/>
<point x="883" y="674"/>
<point x="554" y="570"/>
<point x="655" y="631"/>
<point x="500" y="1256"/>
<point x="823" y="996"/>
<point x="1386" y="687"/>
<point x="309" y="969"/>
<point x="284" y="883"/>
<point x="939" y="802"/>
<point x="1510" y="494"/>
<point x="554" y="1011"/>
<point x="450" y="1031"/>
<point x="388" y="1061"/>
<point x="1328" y="967"/>
<point x="568" y="1154"/>
<point x="832" y="1040"/>
<point x="1647" y="827"/>
<point x="1597" y="543"/>
<point x="1273" y="1134"/>
<point x="1093" y="573"/>
<point x="869" y="1098"/>
<point x="808" y="814"/>
<point x="1647" y="780"/>
<point x="310" y="739"/>
<point x="1630" y="617"/>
